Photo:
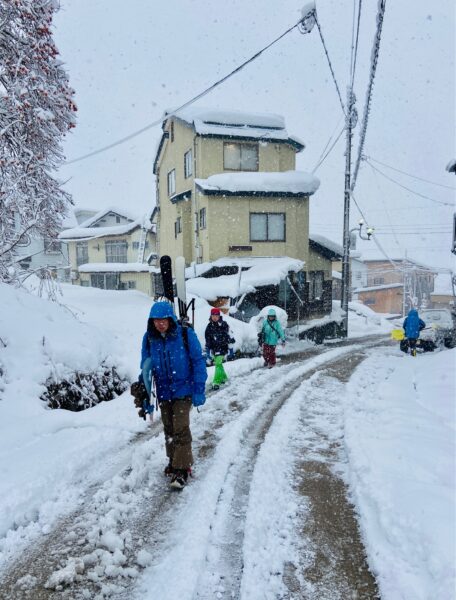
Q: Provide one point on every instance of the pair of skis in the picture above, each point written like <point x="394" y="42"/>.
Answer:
<point x="166" y="269"/>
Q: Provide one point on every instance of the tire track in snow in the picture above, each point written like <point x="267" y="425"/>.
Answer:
<point x="98" y="551"/>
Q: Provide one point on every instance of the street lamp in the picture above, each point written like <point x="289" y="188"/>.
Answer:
<point x="346" y="267"/>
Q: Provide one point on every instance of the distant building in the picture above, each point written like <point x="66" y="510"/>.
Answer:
<point x="408" y="282"/>
<point x="386" y="298"/>
<point x="109" y="250"/>
<point x="443" y="294"/>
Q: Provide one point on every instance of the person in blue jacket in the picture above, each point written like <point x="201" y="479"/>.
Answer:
<point x="172" y="356"/>
<point x="412" y="326"/>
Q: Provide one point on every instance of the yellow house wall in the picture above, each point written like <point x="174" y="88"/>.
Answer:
<point x="317" y="262"/>
<point x="228" y="224"/>
<point x="143" y="281"/>
<point x="172" y="157"/>
<point x="207" y="160"/>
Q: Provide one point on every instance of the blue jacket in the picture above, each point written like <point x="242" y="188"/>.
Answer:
<point x="178" y="372"/>
<point x="413" y="325"/>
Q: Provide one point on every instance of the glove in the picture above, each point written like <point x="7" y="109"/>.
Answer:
<point x="232" y="340"/>
<point x="198" y="399"/>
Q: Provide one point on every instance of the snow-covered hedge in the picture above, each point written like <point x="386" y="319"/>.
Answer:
<point x="46" y="352"/>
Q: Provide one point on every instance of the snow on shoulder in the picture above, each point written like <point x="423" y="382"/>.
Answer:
<point x="296" y="183"/>
<point x="399" y="435"/>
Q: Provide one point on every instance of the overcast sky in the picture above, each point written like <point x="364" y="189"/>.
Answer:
<point x="128" y="61"/>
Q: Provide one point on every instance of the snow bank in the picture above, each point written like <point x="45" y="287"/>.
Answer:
<point x="44" y="453"/>
<point x="400" y="439"/>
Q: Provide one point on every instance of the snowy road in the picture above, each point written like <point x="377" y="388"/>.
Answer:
<point x="251" y="524"/>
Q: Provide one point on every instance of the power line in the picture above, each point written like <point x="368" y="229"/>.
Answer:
<point x="370" y="86"/>
<point x="409" y="174"/>
<point x="407" y="188"/>
<point x="322" y="160"/>
<point x="355" y="51"/>
<point x="329" y="63"/>
<point x="189" y="102"/>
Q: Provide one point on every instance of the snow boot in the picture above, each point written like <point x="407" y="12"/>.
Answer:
<point x="179" y="479"/>
<point x="220" y="376"/>
<point x="168" y="470"/>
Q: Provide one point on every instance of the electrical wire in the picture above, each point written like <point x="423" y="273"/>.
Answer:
<point x="370" y="86"/>
<point x="449" y="187"/>
<point x="186" y="104"/>
<point x="355" y="53"/>
<point x="322" y="160"/>
<point x="407" y="188"/>
<point x="329" y="63"/>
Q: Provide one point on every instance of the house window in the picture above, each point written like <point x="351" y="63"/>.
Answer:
<point x="135" y="245"/>
<point x="82" y="253"/>
<point x="202" y="218"/>
<point x="379" y="280"/>
<point x="131" y="285"/>
<point x="188" y="164"/>
<point x="316" y="285"/>
<point x="240" y="157"/>
<point x="116" y="251"/>
<point x="117" y="219"/>
<point x="177" y="226"/>
<point x="359" y="275"/>
<point x="267" y="227"/>
<point x="171" y="131"/>
<point x="368" y="301"/>
<point x="172" y="182"/>
<point x="104" y="281"/>
<point x="52" y="246"/>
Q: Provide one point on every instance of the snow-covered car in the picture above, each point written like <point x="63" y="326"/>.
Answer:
<point x="440" y="327"/>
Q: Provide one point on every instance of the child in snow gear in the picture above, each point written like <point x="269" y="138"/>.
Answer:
<point x="271" y="332"/>
<point x="174" y="359"/>
<point x="218" y="339"/>
<point x="412" y="326"/>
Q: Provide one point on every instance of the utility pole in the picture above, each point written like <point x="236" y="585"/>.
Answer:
<point x="351" y="119"/>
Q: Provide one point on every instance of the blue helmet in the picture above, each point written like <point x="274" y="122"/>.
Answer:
<point x="161" y="310"/>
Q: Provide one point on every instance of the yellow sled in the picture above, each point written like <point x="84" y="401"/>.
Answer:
<point x="397" y="334"/>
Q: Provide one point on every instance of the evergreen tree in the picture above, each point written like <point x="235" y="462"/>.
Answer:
<point x="36" y="111"/>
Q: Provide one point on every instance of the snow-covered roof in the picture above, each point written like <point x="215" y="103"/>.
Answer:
<point x="117" y="268"/>
<point x="260" y="271"/>
<point x="326" y="243"/>
<point x="89" y="233"/>
<point x="442" y="285"/>
<point x="102" y="213"/>
<point x="233" y="123"/>
<point x="69" y="220"/>
<point x="375" y="288"/>
<point x="296" y="183"/>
